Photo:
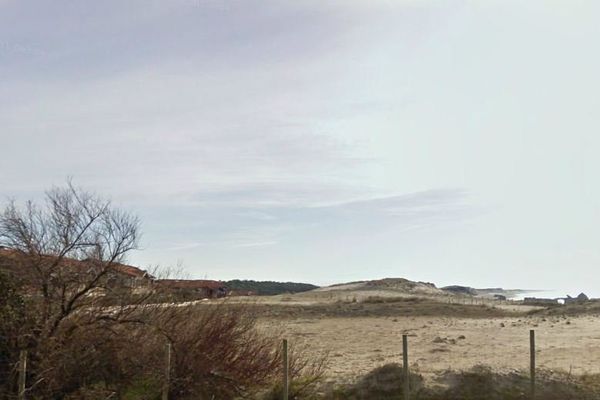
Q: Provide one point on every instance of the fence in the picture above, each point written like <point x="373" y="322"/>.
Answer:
<point x="22" y="370"/>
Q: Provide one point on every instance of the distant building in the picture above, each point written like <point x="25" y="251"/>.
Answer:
<point x="19" y="265"/>
<point x="582" y="298"/>
<point x="127" y="276"/>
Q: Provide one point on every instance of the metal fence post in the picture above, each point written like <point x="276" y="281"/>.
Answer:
<point x="165" y="392"/>
<point x="286" y="373"/>
<point x="532" y="361"/>
<point x="405" y="367"/>
<point x="22" y="373"/>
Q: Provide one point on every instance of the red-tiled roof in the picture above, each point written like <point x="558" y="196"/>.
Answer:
<point x="128" y="270"/>
<point x="6" y="252"/>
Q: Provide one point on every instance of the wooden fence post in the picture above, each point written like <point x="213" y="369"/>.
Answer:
<point x="286" y="373"/>
<point x="22" y="373"/>
<point x="532" y="361"/>
<point x="405" y="367"/>
<point x="165" y="391"/>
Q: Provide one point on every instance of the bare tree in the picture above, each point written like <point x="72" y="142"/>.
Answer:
<point x="67" y="248"/>
<point x="63" y="253"/>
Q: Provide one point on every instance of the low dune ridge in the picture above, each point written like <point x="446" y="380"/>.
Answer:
<point x="360" y="324"/>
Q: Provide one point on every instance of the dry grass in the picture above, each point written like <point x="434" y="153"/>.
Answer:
<point x="358" y="344"/>
<point x="591" y="307"/>
<point x="376" y="306"/>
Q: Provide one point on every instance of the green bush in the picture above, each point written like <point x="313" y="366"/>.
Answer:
<point x="385" y="383"/>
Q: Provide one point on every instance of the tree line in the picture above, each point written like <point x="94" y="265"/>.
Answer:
<point x="267" y="288"/>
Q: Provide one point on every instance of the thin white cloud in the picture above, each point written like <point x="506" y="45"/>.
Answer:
<point x="235" y="224"/>
<point x="257" y="244"/>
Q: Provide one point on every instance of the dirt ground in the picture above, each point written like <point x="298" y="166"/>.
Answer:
<point x="361" y="327"/>
<point x="356" y="345"/>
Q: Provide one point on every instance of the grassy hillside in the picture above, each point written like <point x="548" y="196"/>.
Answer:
<point x="268" y="287"/>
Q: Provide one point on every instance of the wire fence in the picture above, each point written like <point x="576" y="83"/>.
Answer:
<point x="20" y="368"/>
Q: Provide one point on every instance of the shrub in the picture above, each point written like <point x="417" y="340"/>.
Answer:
<point x="305" y="376"/>
<point x="385" y="383"/>
<point x="479" y="383"/>
<point x="12" y="318"/>
<point x="217" y="352"/>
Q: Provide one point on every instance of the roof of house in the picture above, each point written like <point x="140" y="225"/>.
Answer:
<point x="190" y="284"/>
<point x="6" y="252"/>
<point x="128" y="270"/>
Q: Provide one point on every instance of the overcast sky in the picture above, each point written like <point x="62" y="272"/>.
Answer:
<point x="320" y="141"/>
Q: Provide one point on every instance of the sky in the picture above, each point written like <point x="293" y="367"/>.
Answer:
<point x="455" y="142"/>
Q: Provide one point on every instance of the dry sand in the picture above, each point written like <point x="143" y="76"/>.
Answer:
<point x="360" y="341"/>
<point x="357" y="345"/>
